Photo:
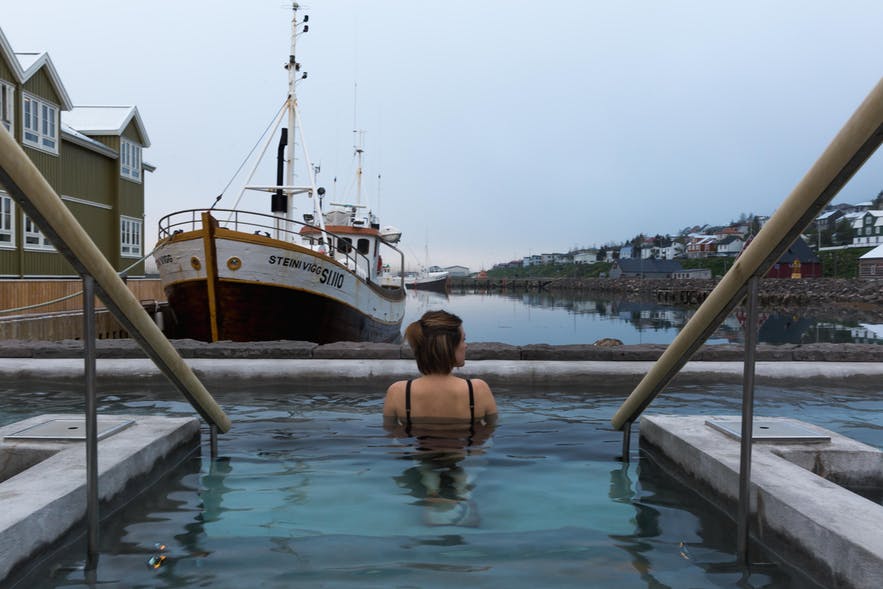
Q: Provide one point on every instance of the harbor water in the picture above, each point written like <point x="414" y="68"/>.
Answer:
<point x="523" y="318"/>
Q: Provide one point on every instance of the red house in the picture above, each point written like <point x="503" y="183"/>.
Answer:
<point x="798" y="261"/>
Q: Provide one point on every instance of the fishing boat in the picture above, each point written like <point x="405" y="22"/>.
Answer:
<point x="434" y="279"/>
<point x="239" y="275"/>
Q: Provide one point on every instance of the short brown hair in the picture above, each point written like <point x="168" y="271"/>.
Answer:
<point x="434" y="339"/>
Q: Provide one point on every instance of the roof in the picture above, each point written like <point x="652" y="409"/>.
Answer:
<point x="31" y="63"/>
<point x="25" y="65"/>
<point x="800" y="251"/>
<point x="7" y="52"/>
<point x="75" y="136"/>
<point x="649" y="265"/>
<point x="877" y="252"/>
<point x="105" y="120"/>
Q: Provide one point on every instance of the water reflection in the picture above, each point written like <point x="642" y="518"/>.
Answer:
<point x="673" y="525"/>
<point x="437" y="477"/>
<point x="542" y="317"/>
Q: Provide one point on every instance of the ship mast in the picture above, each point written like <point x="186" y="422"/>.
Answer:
<point x="359" y="152"/>
<point x="293" y="67"/>
<point x="294" y="124"/>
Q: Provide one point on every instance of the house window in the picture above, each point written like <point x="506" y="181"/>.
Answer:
<point x="34" y="238"/>
<point x="7" y="221"/>
<point x="130" y="160"/>
<point x="40" y="124"/>
<point x="130" y="237"/>
<point x="7" y="107"/>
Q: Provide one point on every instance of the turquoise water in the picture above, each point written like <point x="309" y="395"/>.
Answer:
<point x="310" y="491"/>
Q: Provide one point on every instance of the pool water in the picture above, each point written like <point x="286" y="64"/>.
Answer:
<point x="309" y="490"/>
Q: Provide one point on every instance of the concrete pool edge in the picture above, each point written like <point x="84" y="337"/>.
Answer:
<point x="41" y="506"/>
<point x="829" y="531"/>
<point x="382" y="372"/>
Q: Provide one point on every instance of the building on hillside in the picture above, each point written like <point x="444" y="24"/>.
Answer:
<point x="589" y="256"/>
<point x="828" y="220"/>
<point x="729" y="246"/>
<point x="91" y="156"/>
<point x="644" y="268"/>
<point x="867" y="228"/>
<point x="692" y="274"/>
<point x="534" y="260"/>
<point x="798" y="261"/>
<point x="870" y="265"/>
<point x="701" y="246"/>
<point x="457" y="271"/>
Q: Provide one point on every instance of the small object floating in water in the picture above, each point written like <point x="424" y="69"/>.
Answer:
<point x="156" y="561"/>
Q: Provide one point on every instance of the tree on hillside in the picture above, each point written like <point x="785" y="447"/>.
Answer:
<point x="754" y="225"/>
<point x="842" y="233"/>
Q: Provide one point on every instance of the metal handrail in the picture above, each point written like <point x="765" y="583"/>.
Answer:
<point x="40" y="202"/>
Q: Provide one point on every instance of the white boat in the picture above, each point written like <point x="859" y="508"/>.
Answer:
<point x="238" y="275"/>
<point x="434" y="280"/>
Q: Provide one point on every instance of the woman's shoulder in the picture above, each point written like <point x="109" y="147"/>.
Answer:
<point x="479" y="385"/>
<point x="396" y="389"/>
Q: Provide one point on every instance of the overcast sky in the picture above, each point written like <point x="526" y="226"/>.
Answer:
<point x="498" y="128"/>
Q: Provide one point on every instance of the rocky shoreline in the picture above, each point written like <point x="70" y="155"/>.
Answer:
<point x="863" y="296"/>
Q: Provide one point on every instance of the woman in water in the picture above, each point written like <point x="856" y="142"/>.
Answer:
<point x="438" y="398"/>
<point x="449" y="417"/>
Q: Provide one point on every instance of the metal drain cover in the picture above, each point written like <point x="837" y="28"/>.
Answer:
<point x="769" y="430"/>
<point x="69" y="429"/>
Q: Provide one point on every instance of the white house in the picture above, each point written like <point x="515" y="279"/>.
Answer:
<point x="589" y="256"/>
<point x="729" y="246"/>
<point x="867" y="229"/>
<point x="534" y="260"/>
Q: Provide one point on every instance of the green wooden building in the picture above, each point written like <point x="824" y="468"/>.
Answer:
<point x="92" y="157"/>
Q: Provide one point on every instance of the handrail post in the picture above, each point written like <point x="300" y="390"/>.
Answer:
<point x="91" y="423"/>
<point x="626" y="441"/>
<point x="747" y="424"/>
<point x="213" y="441"/>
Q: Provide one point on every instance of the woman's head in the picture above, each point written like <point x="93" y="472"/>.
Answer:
<point x="438" y="342"/>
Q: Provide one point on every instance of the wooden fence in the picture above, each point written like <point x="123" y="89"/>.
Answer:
<point x="24" y="317"/>
<point x="16" y="295"/>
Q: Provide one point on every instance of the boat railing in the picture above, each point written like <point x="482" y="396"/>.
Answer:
<point x="284" y="229"/>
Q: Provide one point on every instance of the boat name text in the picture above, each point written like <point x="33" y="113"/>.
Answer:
<point x="326" y="275"/>
<point x="164" y="259"/>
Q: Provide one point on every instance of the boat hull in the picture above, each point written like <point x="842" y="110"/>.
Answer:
<point x="441" y="284"/>
<point x="228" y="285"/>
<point x="254" y="312"/>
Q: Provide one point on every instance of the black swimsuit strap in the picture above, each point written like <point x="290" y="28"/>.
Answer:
<point x="471" y="413"/>
<point x="471" y="403"/>
<point x="408" y="408"/>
